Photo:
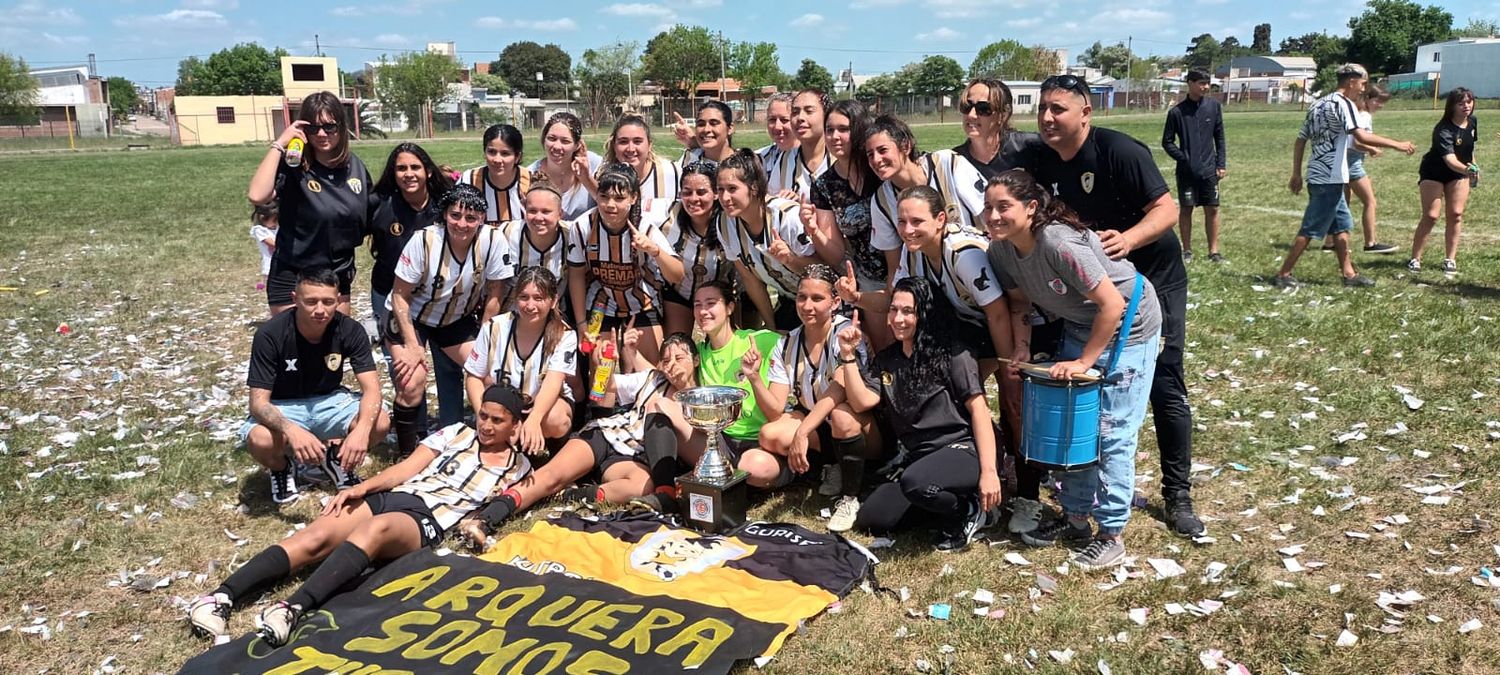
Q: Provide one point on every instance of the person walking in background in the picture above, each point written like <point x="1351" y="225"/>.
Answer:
<point x="1194" y="136"/>
<point x="1360" y="184"/>
<point x="1333" y="126"/>
<point x="1447" y="172"/>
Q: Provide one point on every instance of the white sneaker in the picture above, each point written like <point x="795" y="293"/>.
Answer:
<point x="276" y="622"/>
<point x="844" y="513"/>
<point x="209" y="615"/>
<point x="1026" y="515"/>
<point x="833" y="481"/>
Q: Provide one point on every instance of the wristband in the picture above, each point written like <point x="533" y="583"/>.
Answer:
<point x="278" y="148"/>
<point x="844" y="361"/>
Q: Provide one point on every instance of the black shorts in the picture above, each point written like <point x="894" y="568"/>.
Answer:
<point x="465" y="329"/>
<point x="1438" y="171"/>
<point x="974" y="338"/>
<point x="281" y="281"/>
<point x="670" y="294"/>
<point x="785" y="317"/>
<point x="646" y="319"/>
<point x="411" y="505"/>
<point x="605" y="454"/>
<point x="1194" y="191"/>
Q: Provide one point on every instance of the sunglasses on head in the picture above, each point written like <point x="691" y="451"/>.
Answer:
<point x="329" y="128"/>
<point x="981" y="108"/>
<point x="1071" y="83"/>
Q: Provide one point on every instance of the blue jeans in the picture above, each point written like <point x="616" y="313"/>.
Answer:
<point x="1106" y="489"/>
<point x="328" y="416"/>
<point x="449" y="376"/>
<point x="1327" y="213"/>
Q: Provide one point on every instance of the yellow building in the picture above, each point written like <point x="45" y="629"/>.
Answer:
<point x="223" y="120"/>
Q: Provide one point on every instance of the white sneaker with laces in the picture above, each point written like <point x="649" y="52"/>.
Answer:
<point x="209" y="615"/>
<point x="844" y="513"/>
<point x="1026" y="515"/>
<point x="833" y="481"/>
<point x="276" y="622"/>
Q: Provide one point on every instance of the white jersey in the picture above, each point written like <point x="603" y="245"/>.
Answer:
<point x="959" y="183"/>
<point x="633" y="391"/>
<point x="702" y="260"/>
<point x="963" y="273"/>
<point x="785" y="217"/>
<point x="522" y="252"/>
<point x="659" y="189"/>
<point x="261" y="233"/>
<point x="789" y="170"/>
<point x="497" y="356"/>
<point x="617" y="275"/>
<point x="456" y="483"/>
<point x="577" y="199"/>
<point x="502" y="202"/>
<point x="791" y="363"/>
<point x="444" y="287"/>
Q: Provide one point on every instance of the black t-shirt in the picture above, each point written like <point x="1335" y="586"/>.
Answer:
<point x="291" y="367"/>
<point x="324" y="213"/>
<point x="1450" y="139"/>
<point x="1017" y="151"/>
<point x="391" y="227"/>
<point x="1109" y="183"/>
<point x="930" y="420"/>
<point x="851" y="213"/>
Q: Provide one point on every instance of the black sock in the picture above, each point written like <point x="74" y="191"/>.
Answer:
<point x="660" y="443"/>
<point x="267" y="567"/>
<point x="500" y="509"/>
<point x="344" y="564"/>
<point x="851" y="454"/>
<point x="406" y="419"/>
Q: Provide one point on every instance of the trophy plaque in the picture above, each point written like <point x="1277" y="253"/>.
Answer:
<point x="714" y="495"/>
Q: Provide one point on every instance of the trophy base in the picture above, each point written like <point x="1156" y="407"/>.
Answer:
<point x="714" y="507"/>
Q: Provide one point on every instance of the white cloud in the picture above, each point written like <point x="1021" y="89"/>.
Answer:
<point x="807" y="21"/>
<point x="37" y="13"/>
<point x="410" y="9"/>
<point x="212" y="4"/>
<point x="392" y="40"/>
<point x="966" y="9"/>
<point x="177" y="19"/>
<point x="697" y="4"/>
<point x="64" y="40"/>
<point x="496" y="22"/>
<point x="1133" y="17"/>
<point x="1030" y="22"/>
<point x="640" y="9"/>
<point x="944" y="33"/>
<point x="872" y="4"/>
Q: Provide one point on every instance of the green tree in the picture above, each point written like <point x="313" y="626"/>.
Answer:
<point x="242" y="70"/>
<point x="491" y="82"/>
<point x="519" y="63"/>
<point x="604" y="74"/>
<point x="1326" y="80"/>
<point x="1113" y="59"/>
<point x="810" y="75"/>
<point x="938" y="76"/>
<point x="1478" y="28"/>
<point x="1011" y="60"/>
<point x="1205" y="53"/>
<point x="1385" y="37"/>
<point x="1326" y="50"/>
<point x="414" y="79"/>
<point x="756" y="65"/>
<point x="19" y="92"/>
<point x="679" y="58"/>
<point x="123" y="98"/>
<point x="369" y="121"/>
<point x="879" y="87"/>
<point x="1262" y="42"/>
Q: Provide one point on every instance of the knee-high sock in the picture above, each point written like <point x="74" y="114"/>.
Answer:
<point x="660" y="443"/>
<point x="406" y="420"/>
<point x="267" y="567"/>
<point x="343" y="565"/>
<point x="851" y="454"/>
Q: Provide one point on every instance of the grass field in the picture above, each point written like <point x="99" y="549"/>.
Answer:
<point x="117" y="468"/>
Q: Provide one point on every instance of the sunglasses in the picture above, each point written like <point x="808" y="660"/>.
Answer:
<point x="328" y="129"/>
<point x="1071" y="83"/>
<point x="981" y="108"/>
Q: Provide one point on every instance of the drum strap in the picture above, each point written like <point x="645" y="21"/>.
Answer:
<point x="1125" y="324"/>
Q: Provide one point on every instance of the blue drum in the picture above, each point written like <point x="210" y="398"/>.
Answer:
<point x="1060" y="421"/>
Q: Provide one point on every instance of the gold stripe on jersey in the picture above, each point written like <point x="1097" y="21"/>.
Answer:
<point x="759" y="260"/>
<point x="661" y="182"/>
<point x="625" y="429"/>
<point x="502" y="204"/>
<point x="615" y="277"/>
<point x="798" y="362"/>
<point x="439" y="259"/>
<point x="700" y="263"/>
<point x="945" y="278"/>
<point x="518" y="235"/>
<point x="459" y="482"/>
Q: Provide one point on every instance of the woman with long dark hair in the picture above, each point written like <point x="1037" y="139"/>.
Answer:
<point x="614" y="258"/>
<point x="711" y="136"/>
<point x="529" y="347"/>
<point x="993" y="145"/>
<point x="325" y="201"/>
<point x="932" y="394"/>
<point x="1446" y="172"/>
<point x="839" y="205"/>
<point x="501" y="179"/>
<point x="410" y="189"/>
<point x="449" y="282"/>
<point x="656" y="177"/>
<point x="732" y="357"/>
<point x="693" y="227"/>
<point x="792" y="177"/>
<point x="567" y="164"/>
<point x="765" y="237"/>
<point x="1042" y="253"/>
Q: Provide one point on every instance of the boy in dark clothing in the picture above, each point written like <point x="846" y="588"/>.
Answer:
<point x="1194" y="136"/>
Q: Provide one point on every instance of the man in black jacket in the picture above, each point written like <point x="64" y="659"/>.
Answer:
<point x="1194" y="136"/>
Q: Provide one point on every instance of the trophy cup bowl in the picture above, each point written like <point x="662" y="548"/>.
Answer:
<point x="710" y="409"/>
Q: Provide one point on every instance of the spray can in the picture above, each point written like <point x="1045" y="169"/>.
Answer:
<point x="294" y="152"/>
<point x="593" y="327"/>
<point x="603" y="372"/>
<point x="1473" y="175"/>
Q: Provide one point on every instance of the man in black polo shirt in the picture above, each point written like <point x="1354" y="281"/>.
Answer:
<point x="298" y="402"/>
<point x="1194" y="136"/>
<point x="1110" y="180"/>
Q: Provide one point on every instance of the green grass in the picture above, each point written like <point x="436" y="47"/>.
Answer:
<point x="145" y="256"/>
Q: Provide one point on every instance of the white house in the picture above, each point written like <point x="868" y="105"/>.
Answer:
<point x="1270" y="66"/>
<point x="73" y="93"/>
<point x="1430" y="56"/>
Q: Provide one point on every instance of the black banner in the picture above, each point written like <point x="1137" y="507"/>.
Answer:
<point x="426" y="613"/>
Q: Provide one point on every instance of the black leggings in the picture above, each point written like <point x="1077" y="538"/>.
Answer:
<point x="937" y="483"/>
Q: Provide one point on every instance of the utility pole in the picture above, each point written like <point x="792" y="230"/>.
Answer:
<point x="317" y="45"/>
<point x="1129" y="67"/>
<point x="723" y="95"/>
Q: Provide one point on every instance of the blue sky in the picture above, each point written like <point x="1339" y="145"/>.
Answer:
<point x="144" y="39"/>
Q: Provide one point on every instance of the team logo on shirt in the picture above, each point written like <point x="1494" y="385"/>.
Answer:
<point x="1058" y="286"/>
<point x="983" y="282"/>
<point x="356" y="185"/>
<point x="886" y="379"/>
<point x="1087" y="180"/>
<point x="397" y="229"/>
<point x="333" y="361"/>
<point x="314" y="186"/>
<point x="291" y="365"/>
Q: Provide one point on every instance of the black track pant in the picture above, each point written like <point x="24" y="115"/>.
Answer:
<point x="937" y="484"/>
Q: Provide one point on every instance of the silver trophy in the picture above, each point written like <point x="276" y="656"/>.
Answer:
<point x="710" y="409"/>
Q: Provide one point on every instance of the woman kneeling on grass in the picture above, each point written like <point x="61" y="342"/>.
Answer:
<point x="406" y="507"/>
<point x="1041" y="253"/>
<point x="934" y="398"/>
